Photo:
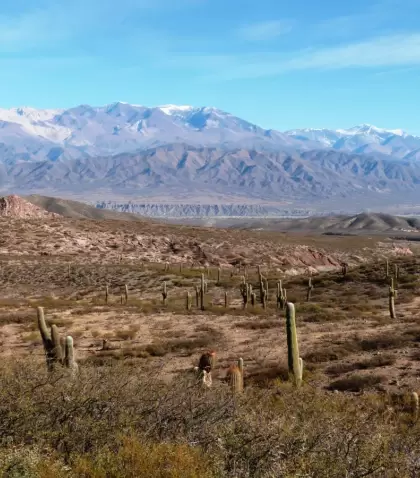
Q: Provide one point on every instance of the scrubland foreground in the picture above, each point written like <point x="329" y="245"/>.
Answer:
<point x="143" y="303"/>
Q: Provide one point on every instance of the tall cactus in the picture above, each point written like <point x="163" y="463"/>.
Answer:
<point x="264" y="298"/>
<point x="226" y="300"/>
<point x="281" y="296"/>
<point x="49" y="346"/>
<point x="262" y="288"/>
<point x="396" y="272"/>
<point x="294" y="361"/>
<point x="51" y="340"/>
<point x="415" y="405"/>
<point x="106" y="294"/>
<point x="197" y="296"/>
<point x="164" y="293"/>
<point x="392" y="293"/>
<point x="202" y="292"/>
<point x="244" y="288"/>
<point x="241" y="369"/>
<point x="310" y="289"/>
<point x="126" y="293"/>
<point x="188" y="301"/>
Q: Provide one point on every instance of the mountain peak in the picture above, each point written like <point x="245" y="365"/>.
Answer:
<point x="173" y="109"/>
<point x="371" y="129"/>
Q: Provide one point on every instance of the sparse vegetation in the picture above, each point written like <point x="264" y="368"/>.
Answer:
<point x="137" y="407"/>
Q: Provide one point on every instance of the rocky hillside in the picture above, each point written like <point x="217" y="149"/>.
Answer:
<point x="18" y="208"/>
<point x="78" y="210"/>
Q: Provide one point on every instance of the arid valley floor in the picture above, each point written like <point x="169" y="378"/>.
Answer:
<point x="348" y="342"/>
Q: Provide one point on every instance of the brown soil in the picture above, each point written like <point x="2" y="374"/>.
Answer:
<point x="345" y="331"/>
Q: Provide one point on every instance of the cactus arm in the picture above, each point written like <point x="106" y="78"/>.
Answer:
<point x="57" y="349"/>
<point x="69" y="359"/>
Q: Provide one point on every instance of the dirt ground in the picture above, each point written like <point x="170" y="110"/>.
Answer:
<point x="347" y="340"/>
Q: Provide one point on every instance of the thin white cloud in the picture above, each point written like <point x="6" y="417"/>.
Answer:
<point x="391" y="50"/>
<point x="264" y="30"/>
<point x="381" y="52"/>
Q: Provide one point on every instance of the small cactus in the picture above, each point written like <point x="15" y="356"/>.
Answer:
<point x="69" y="359"/>
<point x="126" y="293"/>
<point x="226" y="300"/>
<point x="253" y="299"/>
<point x="219" y="276"/>
<point x="294" y="361"/>
<point x="344" y="269"/>
<point x="235" y="378"/>
<point x="106" y="294"/>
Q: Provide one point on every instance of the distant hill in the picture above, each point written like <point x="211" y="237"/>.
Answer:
<point x="365" y="222"/>
<point x="79" y="210"/>
<point x="369" y="222"/>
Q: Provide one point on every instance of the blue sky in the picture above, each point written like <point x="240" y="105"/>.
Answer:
<point x="279" y="64"/>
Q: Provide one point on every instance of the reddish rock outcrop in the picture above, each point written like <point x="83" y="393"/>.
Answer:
<point x="15" y="207"/>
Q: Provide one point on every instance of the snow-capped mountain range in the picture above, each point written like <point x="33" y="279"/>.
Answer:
<point x="29" y="134"/>
<point x="183" y="152"/>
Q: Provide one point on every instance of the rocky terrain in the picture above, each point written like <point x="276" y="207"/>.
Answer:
<point x="139" y="303"/>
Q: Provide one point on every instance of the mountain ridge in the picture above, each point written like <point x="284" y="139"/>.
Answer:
<point x="30" y="134"/>
<point x="122" y="150"/>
